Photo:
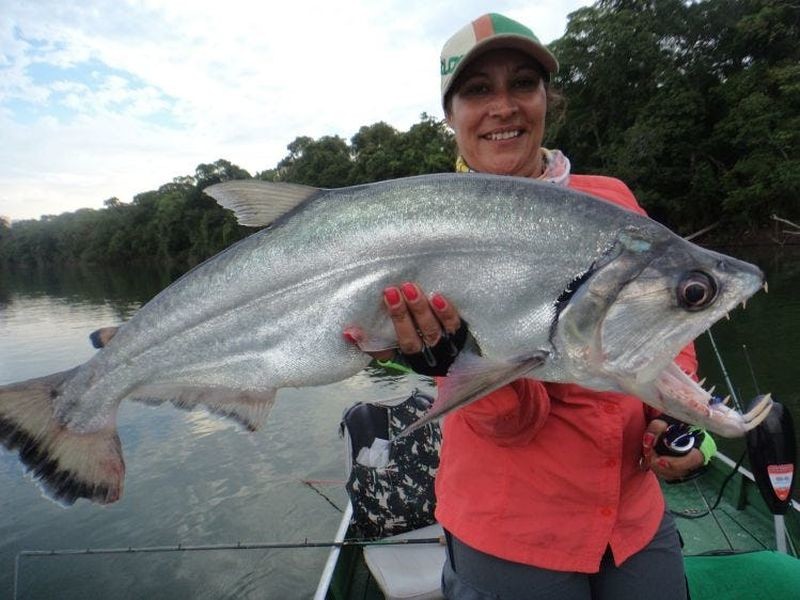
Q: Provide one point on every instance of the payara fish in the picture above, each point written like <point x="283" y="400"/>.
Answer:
<point x="555" y="285"/>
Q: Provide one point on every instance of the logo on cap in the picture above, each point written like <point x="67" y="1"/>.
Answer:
<point x="450" y="64"/>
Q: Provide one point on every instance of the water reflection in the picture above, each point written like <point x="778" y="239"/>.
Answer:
<point x="123" y="290"/>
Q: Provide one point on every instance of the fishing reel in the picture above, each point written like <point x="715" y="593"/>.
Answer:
<point x="678" y="439"/>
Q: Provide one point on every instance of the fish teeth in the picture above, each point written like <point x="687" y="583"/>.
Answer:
<point x="726" y="400"/>
<point x="711" y="390"/>
<point x="764" y="287"/>
<point x="727" y="316"/>
<point x="701" y="382"/>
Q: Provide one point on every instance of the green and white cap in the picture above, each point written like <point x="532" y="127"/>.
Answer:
<point x="489" y="32"/>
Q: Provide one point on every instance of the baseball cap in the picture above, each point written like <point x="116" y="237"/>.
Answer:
<point x="489" y="32"/>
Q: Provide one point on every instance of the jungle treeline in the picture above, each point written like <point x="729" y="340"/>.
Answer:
<point x="696" y="105"/>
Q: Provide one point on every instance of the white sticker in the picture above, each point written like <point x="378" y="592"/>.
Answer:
<point x="781" y="478"/>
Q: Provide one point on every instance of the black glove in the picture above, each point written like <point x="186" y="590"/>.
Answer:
<point x="436" y="360"/>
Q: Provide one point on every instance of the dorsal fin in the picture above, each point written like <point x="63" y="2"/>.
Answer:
<point x="257" y="203"/>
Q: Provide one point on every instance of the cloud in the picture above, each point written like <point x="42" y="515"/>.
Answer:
<point x="110" y="98"/>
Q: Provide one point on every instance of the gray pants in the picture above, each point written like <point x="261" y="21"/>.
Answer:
<point x="655" y="572"/>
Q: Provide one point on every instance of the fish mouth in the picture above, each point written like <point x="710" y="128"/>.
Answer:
<point x="675" y="386"/>
<point x="686" y="399"/>
<point x="502" y="135"/>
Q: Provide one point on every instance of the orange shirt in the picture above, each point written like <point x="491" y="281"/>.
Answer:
<point x="547" y="474"/>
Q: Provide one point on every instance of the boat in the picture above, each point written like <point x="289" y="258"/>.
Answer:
<point x="735" y="546"/>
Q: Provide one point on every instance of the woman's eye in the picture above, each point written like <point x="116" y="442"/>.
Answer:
<point x="526" y="83"/>
<point x="474" y="89"/>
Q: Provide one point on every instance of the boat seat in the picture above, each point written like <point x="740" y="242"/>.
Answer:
<point x="743" y="576"/>
<point x="409" y="572"/>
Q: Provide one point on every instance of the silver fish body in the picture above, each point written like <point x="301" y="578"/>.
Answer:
<point x="554" y="284"/>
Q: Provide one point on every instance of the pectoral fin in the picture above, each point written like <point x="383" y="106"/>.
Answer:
<point x="472" y="377"/>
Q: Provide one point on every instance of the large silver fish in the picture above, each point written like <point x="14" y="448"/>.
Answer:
<point x="555" y="285"/>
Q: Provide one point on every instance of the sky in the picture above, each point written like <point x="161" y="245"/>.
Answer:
<point x="110" y="98"/>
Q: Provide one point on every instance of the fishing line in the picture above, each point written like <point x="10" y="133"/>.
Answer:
<point x="750" y="365"/>
<point x="714" y="516"/>
<point x="327" y="499"/>
<point x="687" y="515"/>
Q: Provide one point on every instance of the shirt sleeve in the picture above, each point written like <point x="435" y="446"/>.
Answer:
<point x="511" y="415"/>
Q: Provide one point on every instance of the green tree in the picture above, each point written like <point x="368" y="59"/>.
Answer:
<point x="376" y="152"/>
<point x="325" y="162"/>
<point x="695" y="105"/>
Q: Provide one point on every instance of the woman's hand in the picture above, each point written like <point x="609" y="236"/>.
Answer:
<point x="418" y="320"/>
<point x="429" y="330"/>
<point x="667" y="467"/>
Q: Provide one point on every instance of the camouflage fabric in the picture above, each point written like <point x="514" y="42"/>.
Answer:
<point x="399" y="497"/>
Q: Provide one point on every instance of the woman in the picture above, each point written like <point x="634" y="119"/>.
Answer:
<point x="545" y="490"/>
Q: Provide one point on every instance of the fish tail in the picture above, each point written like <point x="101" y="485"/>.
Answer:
<point x="68" y="464"/>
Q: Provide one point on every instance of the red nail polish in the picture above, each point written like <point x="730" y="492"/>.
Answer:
<point x="439" y="303"/>
<point x="392" y="296"/>
<point x="663" y="463"/>
<point x="410" y="291"/>
<point x="647" y="441"/>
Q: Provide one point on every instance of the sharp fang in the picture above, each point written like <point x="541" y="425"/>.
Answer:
<point x="727" y="317"/>
<point x="701" y="382"/>
<point x="765" y="288"/>
<point x="711" y="390"/>
<point x="726" y="400"/>
<point x="744" y="304"/>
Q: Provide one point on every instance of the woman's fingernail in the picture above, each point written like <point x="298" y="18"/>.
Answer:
<point x="438" y="301"/>
<point x="392" y="295"/>
<point x="647" y="441"/>
<point x="410" y="291"/>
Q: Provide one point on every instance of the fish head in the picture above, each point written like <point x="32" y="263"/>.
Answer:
<point x="639" y="305"/>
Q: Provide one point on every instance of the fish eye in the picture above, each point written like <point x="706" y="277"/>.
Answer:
<point x="696" y="290"/>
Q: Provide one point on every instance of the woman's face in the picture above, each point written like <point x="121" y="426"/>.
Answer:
<point x="497" y="111"/>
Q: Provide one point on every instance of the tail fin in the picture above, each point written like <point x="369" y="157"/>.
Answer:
<point x="68" y="465"/>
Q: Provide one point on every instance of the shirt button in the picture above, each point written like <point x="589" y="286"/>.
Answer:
<point x="610" y="408"/>
<point x="611" y="462"/>
<point x="606" y="511"/>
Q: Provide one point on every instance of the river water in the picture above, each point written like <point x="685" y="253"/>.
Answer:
<point x="195" y="479"/>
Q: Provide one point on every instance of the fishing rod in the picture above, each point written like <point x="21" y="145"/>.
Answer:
<point x="725" y="375"/>
<point x="214" y="547"/>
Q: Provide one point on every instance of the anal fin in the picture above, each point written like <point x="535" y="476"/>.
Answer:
<point x="249" y="408"/>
